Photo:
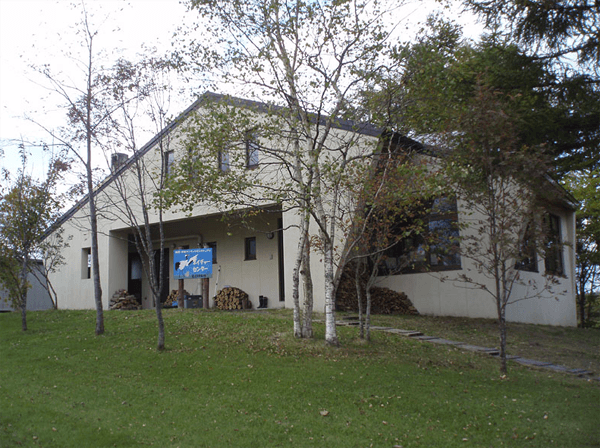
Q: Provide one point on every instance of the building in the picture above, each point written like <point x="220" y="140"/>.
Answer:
<point x="257" y="252"/>
<point x="38" y="298"/>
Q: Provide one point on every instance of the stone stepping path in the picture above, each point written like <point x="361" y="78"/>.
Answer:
<point x="413" y="334"/>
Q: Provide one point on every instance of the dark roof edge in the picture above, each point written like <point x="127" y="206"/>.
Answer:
<point x="565" y="197"/>
<point x="363" y="128"/>
<point x="143" y="151"/>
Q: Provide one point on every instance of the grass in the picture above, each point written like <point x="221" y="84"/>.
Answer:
<point x="572" y="347"/>
<point x="240" y="379"/>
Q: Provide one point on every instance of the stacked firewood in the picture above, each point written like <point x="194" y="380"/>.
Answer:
<point x="174" y="297"/>
<point x="383" y="300"/>
<point x="231" y="298"/>
<point x="121" y="300"/>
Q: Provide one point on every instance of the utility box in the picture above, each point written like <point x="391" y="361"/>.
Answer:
<point x="194" y="301"/>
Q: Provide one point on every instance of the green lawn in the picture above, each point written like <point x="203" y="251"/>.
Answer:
<point x="241" y="380"/>
<point x="569" y="346"/>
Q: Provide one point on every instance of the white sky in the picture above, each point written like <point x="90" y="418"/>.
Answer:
<point x="42" y="31"/>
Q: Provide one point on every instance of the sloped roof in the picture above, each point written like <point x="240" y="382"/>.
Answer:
<point x="208" y="97"/>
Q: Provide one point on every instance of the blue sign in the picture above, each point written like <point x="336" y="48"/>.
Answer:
<point x="192" y="263"/>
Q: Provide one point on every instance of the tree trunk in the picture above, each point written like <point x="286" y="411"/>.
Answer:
<point x="23" y="293"/>
<point x="91" y="197"/>
<point x="53" y="295"/>
<point x="330" y="330"/>
<point x="361" y="324"/>
<point x="297" y="314"/>
<point x="581" y="300"/>
<point x="368" y="310"/>
<point x="307" y="330"/>
<point x="205" y="293"/>
<point x="96" y="263"/>
<point x="502" y="328"/>
<point x="502" y="301"/>
<point x="161" y="325"/>
<point x="181" y="286"/>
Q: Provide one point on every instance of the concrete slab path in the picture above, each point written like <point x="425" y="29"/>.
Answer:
<point x="414" y="334"/>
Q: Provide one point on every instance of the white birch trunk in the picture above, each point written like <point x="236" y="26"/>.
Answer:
<point x="307" y="330"/>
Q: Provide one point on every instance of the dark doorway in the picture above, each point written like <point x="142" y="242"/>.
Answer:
<point x="134" y="276"/>
<point x="164" y="292"/>
<point x="280" y="259"/>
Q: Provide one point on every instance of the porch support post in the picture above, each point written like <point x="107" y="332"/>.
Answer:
<point x="205" y="301"/>
<point x="180" y="294"/>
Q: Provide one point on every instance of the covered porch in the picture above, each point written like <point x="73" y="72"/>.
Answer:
<point x="247" y="254"/>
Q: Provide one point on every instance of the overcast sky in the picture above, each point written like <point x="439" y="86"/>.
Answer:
<point x="43" y="31"/>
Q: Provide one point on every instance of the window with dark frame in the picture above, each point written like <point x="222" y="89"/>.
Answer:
<point x="250" y="248"/>
<point x="527" y="254"/>
<point x="224" y="160"/>
<point x="213" y="246"/>
<point x="86" y="263"/>
<point x="432" y="248"/>
<point x="252" y="151"/>
<point x="553" y="256"/>
<point x="192" y="161"/>
<point x="169" y="160"/>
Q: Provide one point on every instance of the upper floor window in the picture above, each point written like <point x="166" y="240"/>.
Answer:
<point x="553" y="254"/>
<point x="224" y="160"/>
<point x="252" y="150"/>
<point x="169" y="159"/>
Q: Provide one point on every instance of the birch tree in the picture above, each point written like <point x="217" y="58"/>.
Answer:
<point x="90" y="106"/>
<point x="142" y="91"/>
<point x="309" y="61"/>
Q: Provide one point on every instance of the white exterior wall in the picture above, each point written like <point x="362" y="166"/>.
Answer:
<point x="74" y="291"/>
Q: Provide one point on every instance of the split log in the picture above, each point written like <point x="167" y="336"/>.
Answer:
<point x="174" y="297"/>
<point x="121" y="300"/>
<point x="231" y="298"/>
<point x="383" y="300"/>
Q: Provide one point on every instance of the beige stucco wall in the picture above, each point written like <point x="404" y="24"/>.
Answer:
<point x="436" y="293"/>
<point x="260" y="277"/>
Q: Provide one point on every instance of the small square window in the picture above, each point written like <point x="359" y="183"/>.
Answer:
<point x="250" y="248"/>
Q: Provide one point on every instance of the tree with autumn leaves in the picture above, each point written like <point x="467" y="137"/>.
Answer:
<point x="28" y="206"/>
<point x="478" y="106"/>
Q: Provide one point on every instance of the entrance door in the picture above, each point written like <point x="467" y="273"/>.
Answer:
<point x="134" y="277"/>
